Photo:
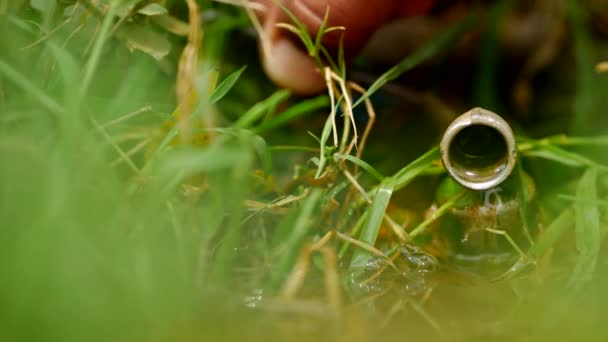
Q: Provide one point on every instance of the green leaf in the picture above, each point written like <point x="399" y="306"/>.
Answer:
<point x="153" y="9"/>
<point x="224" y="87"/>
<point x="369" y="234"/>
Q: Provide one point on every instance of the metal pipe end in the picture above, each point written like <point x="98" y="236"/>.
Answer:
<point x="478" y="149"/>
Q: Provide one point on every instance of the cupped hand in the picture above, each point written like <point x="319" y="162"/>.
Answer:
<point x="288" y="64"/>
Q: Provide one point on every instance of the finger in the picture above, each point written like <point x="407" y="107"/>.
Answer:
<point x="288" y="65"/>
<point x="358" y="18"/>
<point x="285" y="63"/>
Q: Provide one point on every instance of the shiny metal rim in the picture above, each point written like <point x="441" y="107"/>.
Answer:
<point x="479" y="116"/>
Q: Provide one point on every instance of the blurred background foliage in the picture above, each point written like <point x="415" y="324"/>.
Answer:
<point x="115" y="227"/>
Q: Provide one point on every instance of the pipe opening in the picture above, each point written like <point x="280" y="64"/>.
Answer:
<point x="478" y="153"/>
<point x="478" y="149"/>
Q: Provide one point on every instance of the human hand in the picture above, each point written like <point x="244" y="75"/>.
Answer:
<point x="288" y="65"/>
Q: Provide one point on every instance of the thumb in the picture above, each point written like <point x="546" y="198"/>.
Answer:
<point x="284" y="59"/>
<point x="287" y="64"/>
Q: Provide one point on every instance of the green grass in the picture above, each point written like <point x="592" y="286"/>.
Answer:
<point x="168" y="241"/>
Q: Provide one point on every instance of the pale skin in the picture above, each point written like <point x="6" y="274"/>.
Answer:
<point x="288" y="65"/>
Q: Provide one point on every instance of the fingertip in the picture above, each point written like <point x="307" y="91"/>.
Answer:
<point x="290" y="67"/>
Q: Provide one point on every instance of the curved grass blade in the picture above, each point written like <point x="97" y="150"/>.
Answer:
<point x="299" y="110"/>
<point x="417" y="167"/>
<point x="587" y="230"/>
<point x="262" y="108"/>
<point x="224" y="87"/>
<point x="364" y="165"/>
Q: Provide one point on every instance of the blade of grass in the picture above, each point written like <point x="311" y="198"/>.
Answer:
<point x="323" y="146"/>
<point x="564" y="157"/>
<point x="598" y="202"/>
<point x="302" y="32"/>
<point x="191" y="162"/>
<point x="293" y="148"/>
<point x="223" y="264"/>
<point x="295" y="240"/>
<point x="294" y="112"/>
<point x="554" y="232"/>
<point x="224" y="87"/>
<point x="354" y="232"/>
<point x="319" y="37"/>
<point x="524" y="196"/>
<point x="70" y="73"/>
<point x="370" y="231"/>
<point x="364" y="165"/>
<point x="449" y="204"/>
<point x="334" y="191"/>
<point x="104" y="34"/>
<point x="261" y="108"/>
<point x="21" y="81"/>
<point x="587" y="230"/>
<point x="600" y="140"/>
<point x="425" y="162"/>
<point x="172" y="134"/>
<point x="563" y="140"/>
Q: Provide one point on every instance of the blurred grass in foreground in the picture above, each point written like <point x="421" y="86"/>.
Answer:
<point x="112" y="230"/>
